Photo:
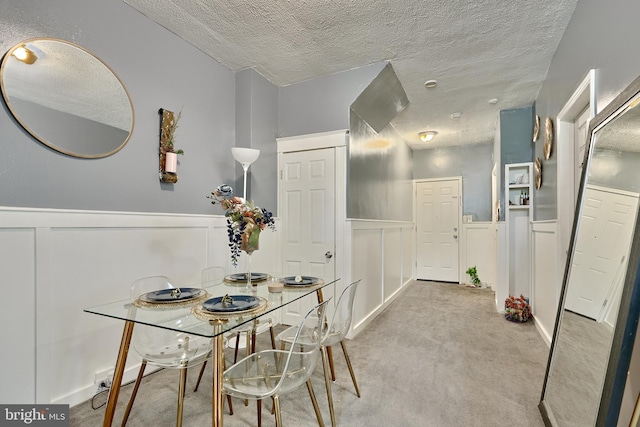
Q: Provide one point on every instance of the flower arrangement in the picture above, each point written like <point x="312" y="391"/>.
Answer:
<point x="245" y="221"/>
<point x="168" y="134"/>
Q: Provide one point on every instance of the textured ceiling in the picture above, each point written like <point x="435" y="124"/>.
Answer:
<point x="476" y="50"/>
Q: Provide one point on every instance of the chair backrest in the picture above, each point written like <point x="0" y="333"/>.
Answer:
<point x="150" y="284"/>
<point x="213" y="274"/>
<point x="298" y="366"/>
<point x="342" y="316"/>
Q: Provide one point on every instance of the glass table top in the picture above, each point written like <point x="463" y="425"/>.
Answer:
<point x="191" y="316"/>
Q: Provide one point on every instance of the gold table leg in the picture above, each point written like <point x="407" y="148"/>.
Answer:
<point x="118" y="373"/>
<point x="218" y="372"/>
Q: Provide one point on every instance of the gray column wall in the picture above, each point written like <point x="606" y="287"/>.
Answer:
<point x="516" y="142"/>
<point x="256" y="127"/>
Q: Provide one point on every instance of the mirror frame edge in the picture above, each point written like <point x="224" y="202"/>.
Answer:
<point x="48" y="144"/>
<point x="623" y="338"/>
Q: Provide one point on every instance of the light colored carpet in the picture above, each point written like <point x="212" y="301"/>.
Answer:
<point x="439" y="355"/>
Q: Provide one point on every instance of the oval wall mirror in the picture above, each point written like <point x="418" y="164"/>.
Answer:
<point x="66" y="98"/>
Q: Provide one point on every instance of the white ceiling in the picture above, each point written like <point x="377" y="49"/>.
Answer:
<point x="476" y="50"/>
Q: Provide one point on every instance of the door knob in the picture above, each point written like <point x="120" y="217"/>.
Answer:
<point x="328" y="255"/>
<point x="455" y="236"/>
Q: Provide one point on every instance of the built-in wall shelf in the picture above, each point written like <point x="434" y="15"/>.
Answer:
<point x="518" y="216"/>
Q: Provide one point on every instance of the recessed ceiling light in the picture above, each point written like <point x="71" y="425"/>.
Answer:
<point x="428" y="135"/>
<point x="430" y="83"/>
<point x="456" y="115"/>
<point x="493" y="101"/>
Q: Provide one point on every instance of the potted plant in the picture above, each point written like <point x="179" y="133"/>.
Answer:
<point x="472" y="272"/>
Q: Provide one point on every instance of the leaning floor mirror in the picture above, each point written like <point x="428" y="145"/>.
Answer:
<point x="600" y="298"/>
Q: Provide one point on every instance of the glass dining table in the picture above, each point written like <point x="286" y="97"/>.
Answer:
<point x="193" y="316"/>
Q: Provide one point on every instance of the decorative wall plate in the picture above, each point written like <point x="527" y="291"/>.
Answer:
<point x="548" y="139"/>
<point x="536" y="128"/>
<point x="538" y="168"/>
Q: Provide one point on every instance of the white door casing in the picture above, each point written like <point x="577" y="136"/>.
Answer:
<point x="604" y="237"/>
<point x="582" y="98"/>
<point x="307" y="209"/>
<point x="581" y="127"/>
<point x="438" y="218"/>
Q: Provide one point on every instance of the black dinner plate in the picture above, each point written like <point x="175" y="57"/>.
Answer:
<point x="165" y="295"/>
<point x="242" y="277"/>
<point x="240" y="302"/>
<point x="306" y="281"/>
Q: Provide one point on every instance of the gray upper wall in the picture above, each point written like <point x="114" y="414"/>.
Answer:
<point x="473" y="162"/>
<point x="160" y="71"/>
<point x="599" y="36"/>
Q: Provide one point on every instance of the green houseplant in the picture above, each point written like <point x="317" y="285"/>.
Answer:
<point x="473" y="274"/>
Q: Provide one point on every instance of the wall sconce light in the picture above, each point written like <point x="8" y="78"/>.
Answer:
<point x="25" y="55"/>
<point x="427" y="136"/>
<point x="245" y="156"/>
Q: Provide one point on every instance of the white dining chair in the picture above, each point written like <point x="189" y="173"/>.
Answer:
<point x="334" y="332"/>
<point x="272" y="373"/>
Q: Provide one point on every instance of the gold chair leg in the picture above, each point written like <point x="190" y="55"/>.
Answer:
<point x="235" y="352"/>
<point x="204" y="365"/>
<point x="230" y="405"/>
<point x="276" y="406"/>
<point x="314" y="401"/>
<point x="327" y="383"/>
<point x="353" y="376"/>
<point x="181" y="392"/>
<point x="259" y="403"/>
<point x="133" y="393"/>
<point x="273" y="338"/>
<point x="330" y="357"/>
<point x="247" y="352"/>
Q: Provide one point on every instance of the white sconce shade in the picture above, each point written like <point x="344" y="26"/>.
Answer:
<point x="245" y="156"/>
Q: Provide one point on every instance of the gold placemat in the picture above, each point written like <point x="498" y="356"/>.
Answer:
<point x="304" y="287"/>
<point x="177" y="304"/>
<point x="228" y="280"/>
<point x="204" y="314"/>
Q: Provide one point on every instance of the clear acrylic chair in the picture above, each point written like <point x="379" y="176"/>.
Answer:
<point x="250" y="330"/>
<point x="272" y="373"/>
<point x="162" y="347"/>
<point x="334" y="333"/>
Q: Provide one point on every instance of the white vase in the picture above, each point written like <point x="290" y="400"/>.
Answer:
<point x="170" y="162"/>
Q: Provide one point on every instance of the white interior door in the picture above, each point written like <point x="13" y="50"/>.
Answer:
<point x="307" y="194"/>
<point x="604" y="238"/>
<point x="438" y="217"/>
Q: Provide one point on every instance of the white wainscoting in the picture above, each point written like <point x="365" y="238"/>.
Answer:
<point x="382" y="256"/>
<point x="546" y="276"/>
<point x="479" y="248"/>
<point x="55" y="263"/>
